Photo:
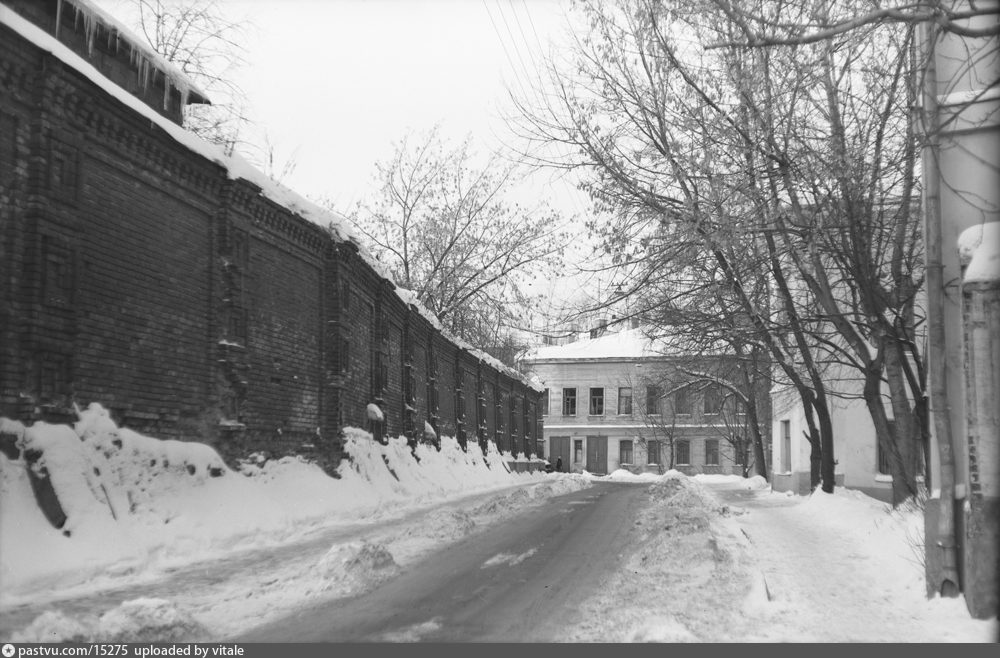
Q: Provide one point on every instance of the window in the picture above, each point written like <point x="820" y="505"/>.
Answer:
<point x="597" y="402"/>
<point x="741" y="407"/>
<point x="569" y="402"/>
<point x="652" y="452"/>
<point x="882" y="459"/>
<point x="712" y="401"/>
<point x="625" y="452"/>
<point x="786" y="445"/>
<point x="545" y="403"/>
<point x="683" y="451"/>
<point x="881" y="456"/>
<point x="577" y="451"/>
<point x="682" y="402"/>
<point x="625" y="401"/>
<point x="653" y="395"/>
<point x="711" y="452"/>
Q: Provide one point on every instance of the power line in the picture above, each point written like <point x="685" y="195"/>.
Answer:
<point x="517" y="49"/>
<point x="503" y="44"/>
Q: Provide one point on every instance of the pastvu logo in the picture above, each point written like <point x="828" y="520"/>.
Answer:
<point x="8" y="650"/>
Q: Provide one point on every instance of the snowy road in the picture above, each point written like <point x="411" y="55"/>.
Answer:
<point x="517" y="581"/>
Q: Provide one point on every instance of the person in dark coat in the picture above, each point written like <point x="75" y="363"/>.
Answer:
<point x="558" y="464"/>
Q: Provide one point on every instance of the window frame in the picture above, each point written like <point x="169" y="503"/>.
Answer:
<point x="881" y="457"/>
<point x="712" y="447"/>
<point x="654" y="396"/>
<point x="622" y="445"/>
<point x="567" y="399"/>
<point x="786" y="446"/>
<point x="686" y="445"/>
<point x="595" y="401"/>
<point x="712" y="394"/>
<point x="682" y="394"/>
<point x="628" y="411"/>
<point x="656" y="450"/>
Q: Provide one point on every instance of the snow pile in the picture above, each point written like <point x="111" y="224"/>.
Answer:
<point x="374" y="413"/>
<point x="979" y="249"/>
<point x="754" y="483"/>
<point x="683" y="579"/>
<point x="624" y="475"/>
<point x="138" y="620"/>
<point x="116" y="503"/>
<point x="355" y="566"/>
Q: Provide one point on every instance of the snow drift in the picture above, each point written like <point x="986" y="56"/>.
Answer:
<point x="94" y="501"/>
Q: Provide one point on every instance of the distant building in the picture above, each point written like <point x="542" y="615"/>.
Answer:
<point x="620" y="400"/>
<point x="860" y="461"/>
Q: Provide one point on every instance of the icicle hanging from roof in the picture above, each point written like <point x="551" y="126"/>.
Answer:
<point x="146" y="61"/>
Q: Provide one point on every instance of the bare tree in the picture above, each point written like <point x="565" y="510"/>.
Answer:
<point x="751" y="168"/>
<point x="198" y="37"/>
<point x="764" y="24"/>
<point x="446" y="228"/>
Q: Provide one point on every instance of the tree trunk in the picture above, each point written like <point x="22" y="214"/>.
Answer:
<point x="906" y="437"/>
<point x="815" y="446"/>
<point x="826" y="445"/>
<point x="759" y="460"/>
<point x="901" y="489"/>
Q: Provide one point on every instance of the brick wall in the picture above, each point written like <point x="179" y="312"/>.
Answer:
<point x="134" y="273"/>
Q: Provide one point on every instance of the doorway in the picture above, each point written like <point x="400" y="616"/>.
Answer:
<point x="597" y="454"/>
<point x="559" y="447"/>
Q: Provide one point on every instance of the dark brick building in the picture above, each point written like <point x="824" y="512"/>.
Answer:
<point x="145" y="270"/>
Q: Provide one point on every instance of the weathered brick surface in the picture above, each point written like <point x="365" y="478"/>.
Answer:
<point x="136" y="274"/>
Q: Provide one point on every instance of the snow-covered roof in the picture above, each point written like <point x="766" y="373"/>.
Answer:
<point x="624" y="344"/>
<point x="143" y="56"/>
<point x="235" y="165"/>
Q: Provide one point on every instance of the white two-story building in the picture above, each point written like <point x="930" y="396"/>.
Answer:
<point x="620" y="400"/>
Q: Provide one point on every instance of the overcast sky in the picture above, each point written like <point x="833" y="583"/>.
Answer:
<point x="332" y="84"/>
<point x="336" y="82"/>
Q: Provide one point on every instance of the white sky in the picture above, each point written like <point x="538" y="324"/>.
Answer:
<point x="332" y="84"/>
